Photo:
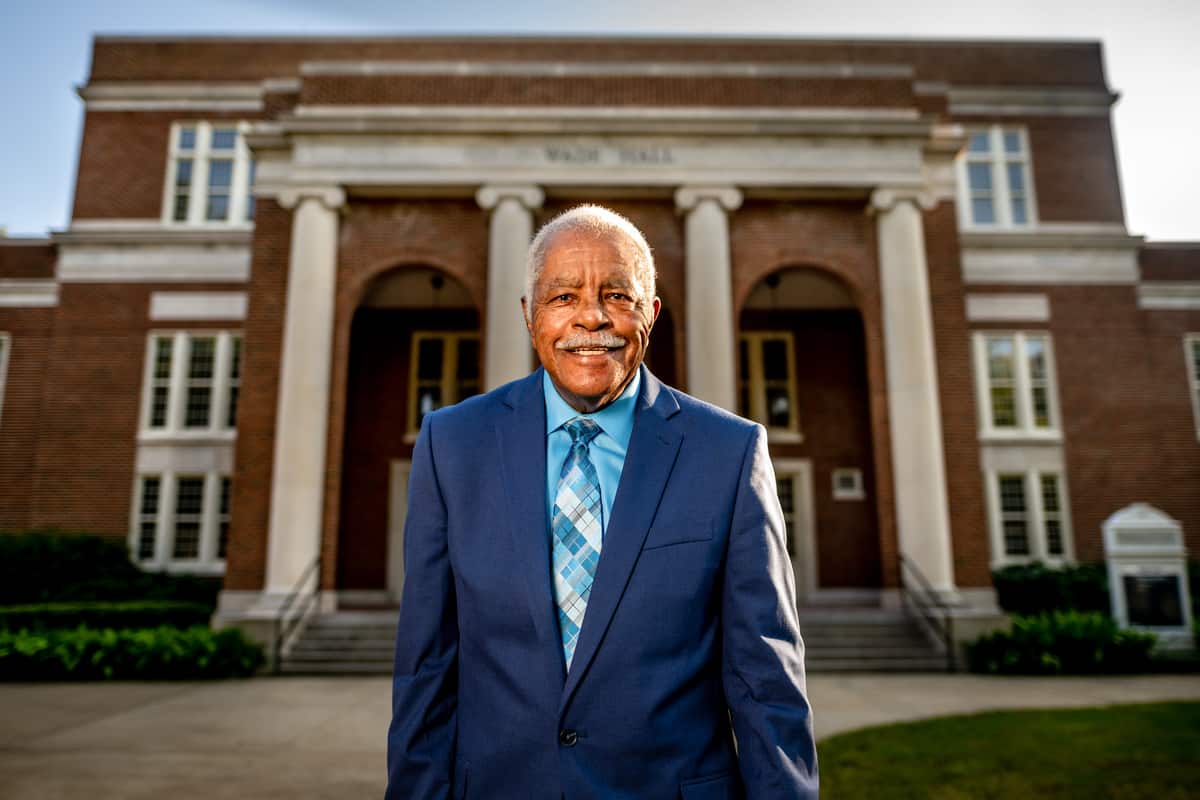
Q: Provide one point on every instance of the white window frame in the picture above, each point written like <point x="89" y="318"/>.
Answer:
<point x="1191" y="345"/>
<point x="758" y="386"/>
<point x="177" y="391"/>
<point x="449" y="380"/>
<point x="201" y="154"/>
<point x="855" y="491"/>
<point x="5" y="349"/>
<point x="1023" y="388"/>
<point x="1035" y="514"/>
<point x="998" y="158"/>
<point x="207" y="562"/>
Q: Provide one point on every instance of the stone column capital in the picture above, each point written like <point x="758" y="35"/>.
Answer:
<point x="528" y="195"/>
<point x="688" y="197"/>
<point x="885" y="198"/>
<point x="332" y="197"/>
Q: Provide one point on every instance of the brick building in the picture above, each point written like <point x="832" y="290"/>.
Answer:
<point x="907" y="259"/>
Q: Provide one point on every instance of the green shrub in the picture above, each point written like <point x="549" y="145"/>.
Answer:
<point x="147" y="654"/>
<point x="1035" y="588"/>
<point x="1061" y="642"/>
<point x="56" y="566"/>
<point x="118" y="615"/>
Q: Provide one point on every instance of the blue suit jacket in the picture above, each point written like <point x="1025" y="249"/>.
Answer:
<point x="691" y="623"/>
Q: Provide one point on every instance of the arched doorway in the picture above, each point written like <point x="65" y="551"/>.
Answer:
<point x="803" y="374"/>
<point x="414" y="347"/>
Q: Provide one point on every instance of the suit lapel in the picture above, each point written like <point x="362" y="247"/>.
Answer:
<point x="522" y="439"/>
<point x="648" y="463"/>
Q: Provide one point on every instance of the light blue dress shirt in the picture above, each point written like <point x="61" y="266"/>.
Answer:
<point x="607" y="450"/>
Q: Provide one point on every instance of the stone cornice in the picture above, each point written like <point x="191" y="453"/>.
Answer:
<point x="1009" y="101"/>
<point x="1055" y="236"/>
<point x="149" y="232"/>
<point x="635" y="69"/>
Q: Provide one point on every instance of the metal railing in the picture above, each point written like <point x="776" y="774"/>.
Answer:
<point x="933" y="611"/>
<point x="287" y="628"/>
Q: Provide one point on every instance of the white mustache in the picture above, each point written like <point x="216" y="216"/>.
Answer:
<point x="580" y="341"/>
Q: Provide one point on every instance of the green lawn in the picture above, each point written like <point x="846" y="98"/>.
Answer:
<point x="1125" y="752"/>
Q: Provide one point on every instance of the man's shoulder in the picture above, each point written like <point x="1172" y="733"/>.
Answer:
<point x="700" y="414"/>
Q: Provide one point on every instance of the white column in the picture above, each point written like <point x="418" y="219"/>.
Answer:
<point x="301" y="421"/>
<point x="507" y="354"/>
<point x="915" y="421"/>
<point x="709" y="297"/>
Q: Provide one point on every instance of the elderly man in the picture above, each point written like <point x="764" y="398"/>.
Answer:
<point x="598" y="598"/>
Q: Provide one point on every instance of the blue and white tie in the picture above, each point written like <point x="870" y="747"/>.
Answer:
<point x="577" y="532"/>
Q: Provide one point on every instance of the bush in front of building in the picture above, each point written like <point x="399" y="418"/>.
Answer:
<point x="1031" y="589"/>
<point x="115" y="615"/>
<point x="58" y="566"/>
<point x="147" y="654"/>
<point x="1061" y="643"/>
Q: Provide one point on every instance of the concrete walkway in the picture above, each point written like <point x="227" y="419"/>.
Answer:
<point x="324" y="737"/>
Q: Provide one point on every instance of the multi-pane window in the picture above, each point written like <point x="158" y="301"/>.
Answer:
<point x="210" y="174"/>
<point x="181" y="521"/>
<point x="994" y="179"/>
<point x="192" y="382"/>
<point x="445" y="370"/>
<point x="5" y="346"/>
<point x="189" y="511"/>
<point x="147" y="519"/>
<point x="1191" y="348"/>
<point x="1015" y="374"/>
<point x="1030" y="517"/>
<point x="767" y="380"/>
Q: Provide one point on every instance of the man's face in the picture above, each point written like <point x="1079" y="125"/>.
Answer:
<point x="588" y="317"/>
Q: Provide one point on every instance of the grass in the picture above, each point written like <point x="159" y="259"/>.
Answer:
<point x="1111" y="753"/>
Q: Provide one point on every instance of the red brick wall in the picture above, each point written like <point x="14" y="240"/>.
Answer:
<point x="1074" y="166"/>
<point x="27" y="258"/>
<point x="123" y="162"/>
<point x="254" y="456"/>
<point x="1004" y="63"/>
<point x="956" y="396"/>
<point x="30" y="336"/>
<point x="1128" y="428"/>
<point x="1170" y="261"/>
<point x="83" y="471"/>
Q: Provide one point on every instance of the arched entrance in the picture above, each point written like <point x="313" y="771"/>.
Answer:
<point x="414" y="347"/>
<point x="803" y="374"/>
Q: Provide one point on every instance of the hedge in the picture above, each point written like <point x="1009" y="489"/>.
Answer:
<point x="148" y="654"/>
<point x="1061" y="642"/>
<point x="56" y="566"/>
<point x="1035" y="588"/>
<point x="119" y="615"/>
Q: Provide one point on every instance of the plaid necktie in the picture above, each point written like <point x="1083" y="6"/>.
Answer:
<point x="577" y="532"/>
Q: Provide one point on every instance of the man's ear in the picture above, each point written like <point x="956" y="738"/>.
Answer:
<point x="656" y="307"/>
<point x="525" y="315"/>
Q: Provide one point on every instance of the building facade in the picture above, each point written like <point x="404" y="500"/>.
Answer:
<point x="908" y="260"/>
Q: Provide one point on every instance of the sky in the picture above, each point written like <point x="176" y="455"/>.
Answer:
<point x="1151" y="54"/>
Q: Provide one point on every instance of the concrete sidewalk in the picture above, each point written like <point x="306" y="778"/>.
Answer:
<point x="324" y="737"/>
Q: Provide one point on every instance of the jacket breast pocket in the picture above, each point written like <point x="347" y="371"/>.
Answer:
<point x="714" y="787"/>
<point x="668" y="532"/>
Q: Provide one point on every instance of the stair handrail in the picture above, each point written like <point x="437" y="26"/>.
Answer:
<point x="285" y="628"/>
<point x="936" y="613"/>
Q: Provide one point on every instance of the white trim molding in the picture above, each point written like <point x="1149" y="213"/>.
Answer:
<point x="993" y="101"/>
<point x="1008" y="308"/>
<point x="803" y="533"/>
<point x="632" y="69"/>
<point x="170" y="306"/>
<point x="5" y="348"/>
<point x="1052" y="254"/>
<point x="1169" y="296"/>
<point x="170" y="96"/>
<point x="1191" y="355"/>
<point x="148" y="263"/>
<point x="28" y="293"/>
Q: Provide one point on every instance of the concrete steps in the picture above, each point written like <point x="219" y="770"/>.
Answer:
<point x="836" y="640"/>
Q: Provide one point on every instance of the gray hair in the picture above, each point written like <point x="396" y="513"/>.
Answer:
<point x="598" y="221"/>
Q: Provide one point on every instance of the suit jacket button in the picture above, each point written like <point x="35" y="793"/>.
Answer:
<point x="567" y="737"/>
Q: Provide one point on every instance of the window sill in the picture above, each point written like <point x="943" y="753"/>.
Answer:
<point x="1024" y="561"/>
<point x="187" y="437"/>
<point x="1021" y="437"/>
<point x="185" y="567"/>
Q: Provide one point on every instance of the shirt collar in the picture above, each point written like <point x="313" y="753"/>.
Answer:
<point x="615" y="419"/>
